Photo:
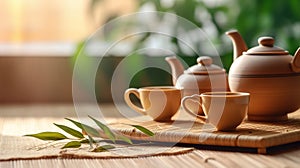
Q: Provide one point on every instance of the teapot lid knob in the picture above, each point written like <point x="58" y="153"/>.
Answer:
<point x="205" y="66"/>
<point x="266" y="41"/>
<point x="266" y="47"/>
<point x="204" y="60"/>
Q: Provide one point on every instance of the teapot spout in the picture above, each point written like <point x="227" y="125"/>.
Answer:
<point x="296" y="61"/>
<point x="176" y="68"/>
<point x="239" y="45"/>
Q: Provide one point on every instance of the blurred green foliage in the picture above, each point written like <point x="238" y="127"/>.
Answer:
<point x="277" y="18"/>
<point x="252" y="18"/>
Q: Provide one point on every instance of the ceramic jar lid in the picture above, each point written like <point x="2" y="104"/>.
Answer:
<point x="266" y="47"/>
<point x="205" y="66"/>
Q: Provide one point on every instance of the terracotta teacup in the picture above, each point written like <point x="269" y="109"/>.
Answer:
<point x="158" y="102"/>
<point x="224" y="110"/>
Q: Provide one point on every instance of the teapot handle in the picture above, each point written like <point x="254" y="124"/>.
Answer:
<point x="295" y="64"/>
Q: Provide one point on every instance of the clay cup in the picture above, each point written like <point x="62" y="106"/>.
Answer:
<point x="158" y="102"/>
<point x="224" y="110"/>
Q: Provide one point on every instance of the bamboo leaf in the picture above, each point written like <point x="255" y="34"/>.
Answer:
<point x="70" y="131"/>
<point x="85" y="141"/>
<point x="103" y="148"/>
<point x="105" y="129"/>
<point x="143" y="129"/>
<point x="48" y="136"/>
<point x="88" y="129"/>
<point x="72" y="144"/>
<point x="124" y="138"/>
<point x="78" y="124"/>
<point x="91" y="141"/>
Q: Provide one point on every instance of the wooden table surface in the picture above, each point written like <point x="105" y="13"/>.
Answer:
<point x="287" y="156"/>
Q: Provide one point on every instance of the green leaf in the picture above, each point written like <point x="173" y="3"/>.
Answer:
<point x="91" y="141"/>
<point x="124" y="138"/>
<point x="105" y="129"/>
<point x="85" y="141"/>
<point x="72" y="144"/>
<point x="103" y="148"/>
<point x="48" y="136"/>
<point x="71" y="131"/>
<point x="88" y="140"/>
<point x="78" y="124"/>
<point x="143" y="129"/>
<point x="88" y="129"/>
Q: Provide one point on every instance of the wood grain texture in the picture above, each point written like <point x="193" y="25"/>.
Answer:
<point x="20" y="119"/>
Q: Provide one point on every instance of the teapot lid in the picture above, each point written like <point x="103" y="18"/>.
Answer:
<point x="266" y="47"/>
<point x="205" y="66"/>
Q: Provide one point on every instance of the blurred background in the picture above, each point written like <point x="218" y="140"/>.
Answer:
<point x="40" y="39"/>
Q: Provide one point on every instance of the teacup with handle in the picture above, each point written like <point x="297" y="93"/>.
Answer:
<point x="158" y="102"/>
<point x="224" y="110"/>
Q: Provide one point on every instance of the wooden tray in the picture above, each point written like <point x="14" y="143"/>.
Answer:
<point x="258" y="135"/>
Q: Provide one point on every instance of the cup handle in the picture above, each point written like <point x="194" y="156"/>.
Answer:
<point x="196" y="99"/>
<point x="129" y="102"/>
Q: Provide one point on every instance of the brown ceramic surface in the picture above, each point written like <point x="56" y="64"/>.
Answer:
<point x="269" y="100"/>
<point x="160" y="102"/>
<point x="202" y="77"/>
<point x="224" y="110"/>
<point x="270" y="74"/>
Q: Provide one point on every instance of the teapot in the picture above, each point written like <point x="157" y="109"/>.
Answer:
<point x="202" y="77"/>
<point x="271" y="76"/>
